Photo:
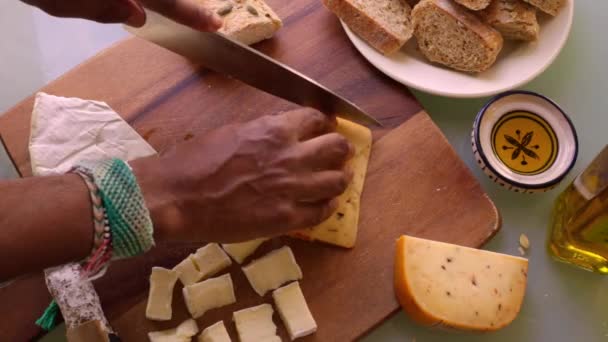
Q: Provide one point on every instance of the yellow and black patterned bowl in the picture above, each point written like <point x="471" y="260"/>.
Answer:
<point x="524" y="141"/>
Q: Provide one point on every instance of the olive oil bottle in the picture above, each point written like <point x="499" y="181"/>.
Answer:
<point x="579" y="228"/>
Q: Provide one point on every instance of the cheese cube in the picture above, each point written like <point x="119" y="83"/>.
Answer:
<point x="160" y="296"/>
<point x="272" y="270"/>
<point x="210" y="259"/>
<point x="183" y="333"/>
<point x="458" y="287"/>
<point x="255" y="324"/>
<point x="294" y="311"/>
<point x="187" y="272"/>
<point x="215" y="333"/>
<point x="240" y="251"/>
<point x="341" y="228"/>
<point x="209" y="294"/>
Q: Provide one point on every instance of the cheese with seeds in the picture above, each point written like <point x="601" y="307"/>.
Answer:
<point x="440" y="284"/>
<point x="341" y="228"/>
<point x="160" y="296"/>
<point x="210" y="260"/>
<point x="294" y="311"/>
<point x="209" y="294"/>
<point x="240" y="251"/>
<point x="255" y="324"/>
<point x="183" y="333"/>
<point x="272" y="270"/>
<point x="187" y="272"/>
<point x="215" y="333"/>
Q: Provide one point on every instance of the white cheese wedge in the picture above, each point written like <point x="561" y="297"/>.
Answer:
<point x="440" y="284"/>
<point x="294" y="311"/>
<point x="272" y="270"/>
<point x="183" y="333"/>
<point x="215" y="333"/>
<point x="187" y="271"/>
<point x="240" y="251"/>
<point x="209" y="294"/>
<point x="255" y="324"/>
<point x="210" y="260"/>
<point x="160" y="296"/>
<point x="341" y="228"/>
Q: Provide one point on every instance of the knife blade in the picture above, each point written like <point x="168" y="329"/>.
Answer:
<point x="248" y="65"/>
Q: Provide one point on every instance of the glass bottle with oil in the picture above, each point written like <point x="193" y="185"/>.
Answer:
<point x="579" y="228"/>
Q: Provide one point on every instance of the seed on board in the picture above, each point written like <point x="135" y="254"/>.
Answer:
<point x="224" y="10"/>
<point x="252" y="10"/>
<point x="524" y="241"/>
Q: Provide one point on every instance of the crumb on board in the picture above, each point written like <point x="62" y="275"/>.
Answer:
<point x="524" y="241"/>
<point x="521" y="251"/>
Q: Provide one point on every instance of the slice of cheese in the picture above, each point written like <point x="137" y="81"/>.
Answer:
<point x="240" y="251"/>
<point x="255" y="324"/>
<point x="210" y="260"/>
<point x="215" y="333"/>
<point x="294" y="311"/>
<point x="160" y="296"/>
<point x="187" y="271"/>
<point x="272" y="270"/>
<point x="440" y="284"/>
<point x="209" y="294"/>
<point x="183" y="333"/>
<point x="341" y="228"/>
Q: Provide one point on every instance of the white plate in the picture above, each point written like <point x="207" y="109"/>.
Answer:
<point x="517" y="64"/>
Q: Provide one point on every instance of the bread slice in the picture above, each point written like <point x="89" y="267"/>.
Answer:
<point x="448" y="34"/>
<point x="247" y="21"/>
<point x="384" y="24"/>
<point x="551" y="7"/>
<point x="514" y="19"/>
<point x="474" y="5"/>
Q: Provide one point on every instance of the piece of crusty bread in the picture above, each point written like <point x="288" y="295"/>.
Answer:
<point x="448" y="34"/>
<point x="247" y="21"/>
<point x="551" y="7"/>
<point x="474" y="5"/>
<point x="384" y="24"/>
<point x="514" y="19"/>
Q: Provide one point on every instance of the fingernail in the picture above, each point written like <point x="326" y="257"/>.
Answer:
<point x="349" y="174"/>
<point x="351" y="150"/>
<point x="136" y="13"/>
<point x="216" y="21"/>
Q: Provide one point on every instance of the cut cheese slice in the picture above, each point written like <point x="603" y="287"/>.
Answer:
<point x="160" y="296"/>
<point x="210" y="260"/>
<point x="215" y="333"/>
<point x="183" y="333"/>
<point x="255" y="324"/>
<point x="187" y="272"/>
<point x="458" y="287"/>
<point x="240" y="251"/>
<point x="294" y="311"/>
<point x="341" y="228"/>
<point x="209" y="294"/>
<point x="272" y="270"/>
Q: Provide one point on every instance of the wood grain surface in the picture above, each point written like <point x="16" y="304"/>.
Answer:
<point x="416" y="183"/>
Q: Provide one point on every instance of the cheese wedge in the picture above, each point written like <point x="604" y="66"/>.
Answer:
<point x="255" y="324"/>
<point x="160" y="296"/>
<point x="209" y="294"/>
<point x="215" y="333"/>
<point x="183" y="333"/>
<point x="210" y="260"/>
<point x="341" y="228"/>
<point x="440" y="284"/>
<point x="187" y="272"/>
<point x="272" y="270"/>
<point x="294" y="311"/>
<point x="240" y="251"/>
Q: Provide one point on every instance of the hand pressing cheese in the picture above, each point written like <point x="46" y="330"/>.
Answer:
<point x="240" y="251"/>
<point x="209" y="294"/>
<point x="294" y="311"/>
<point x="272" y="270"/>
<point x="207" y="261"/>
<point x="255" y="324"/>
<point x="183" y="333"/>
<point x="458" y="287"/>
<point x="160" y="296"/>
<point x="215" y="333"/>
<point x="341" y="228"/>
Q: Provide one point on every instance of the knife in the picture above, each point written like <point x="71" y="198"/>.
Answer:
<point x="241" y="62"/>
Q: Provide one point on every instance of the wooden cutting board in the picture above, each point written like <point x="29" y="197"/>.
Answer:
<point x="416" y="183"/>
